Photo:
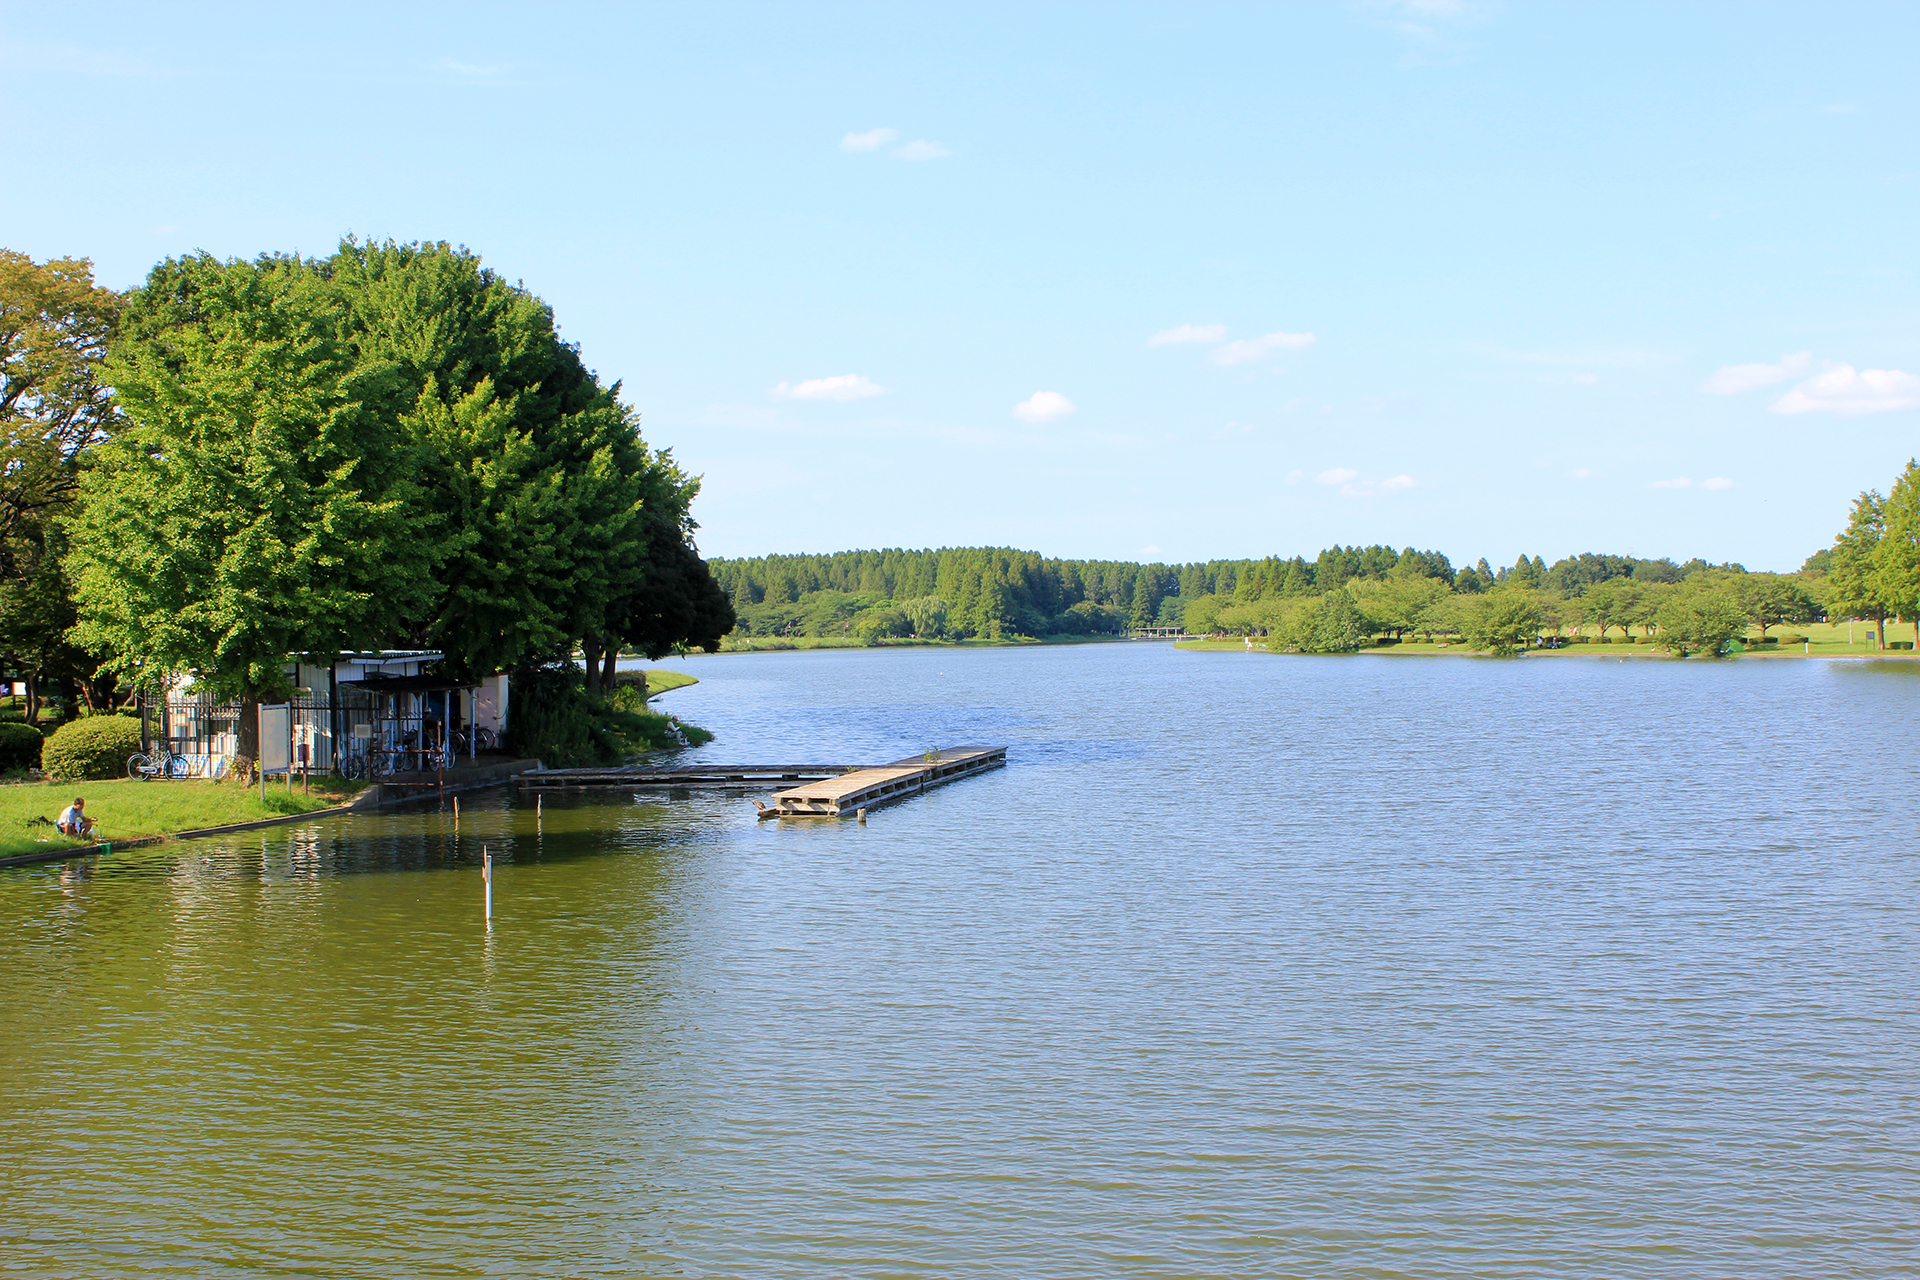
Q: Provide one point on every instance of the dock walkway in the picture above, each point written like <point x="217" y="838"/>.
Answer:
<point x="869" y="788"/>
<point x="692" y="777"/>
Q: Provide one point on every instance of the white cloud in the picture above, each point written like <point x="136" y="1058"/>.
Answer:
<point x="843" y="386"/>
<point x="1581" y="473"/>
<point x="1585" y="379"/>
<point x="1732" y="379"/>
<point x="1149" y="550"/>
<point x="1397" y="482"/>
<point x="1188" y="333"/>
<point x="1045" y="406"/>
<point x="1293" y="477"/>
<point x="921" y="149"/>
<point x="1234" y="429"/>
<point x="868" y="141"/>
<point x="1718" y="482"/>
<point x="1247" y="350"/>
<point x="1848" y="392"/>
<point x="1840" y="108"/>
<point x="1336" y="475"/>
<point x="1679" y="482"/>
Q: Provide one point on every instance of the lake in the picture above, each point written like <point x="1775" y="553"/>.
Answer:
<point x="1244" y="966"/>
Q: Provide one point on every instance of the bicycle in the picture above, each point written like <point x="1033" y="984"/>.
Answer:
<point x="472" y="744"/>
<point x="161" y="762"/>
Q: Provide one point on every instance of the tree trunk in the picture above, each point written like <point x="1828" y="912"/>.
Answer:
<point x="247" y="745"/>
<point x="590" y="651"/>
<point x="611" y="672"/>
<point x="33" y="698"/>
<point x="1880" y="632"/>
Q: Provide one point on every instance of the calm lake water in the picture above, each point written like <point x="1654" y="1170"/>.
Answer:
<point x="1245" y="966"/>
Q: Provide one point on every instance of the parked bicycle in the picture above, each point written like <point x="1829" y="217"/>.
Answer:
<point x="473" y="743"/>
<point x="161" y="762"/>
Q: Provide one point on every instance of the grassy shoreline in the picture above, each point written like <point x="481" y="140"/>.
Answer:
<point x="123" y="809"/>
<point x="1812" y="640"/>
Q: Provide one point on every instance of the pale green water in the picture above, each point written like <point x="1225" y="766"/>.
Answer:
<point x="1244" y="967"/>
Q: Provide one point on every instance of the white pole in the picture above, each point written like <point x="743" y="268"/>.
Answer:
<point x="259" y="739"/>
<point x="486" y="878"/>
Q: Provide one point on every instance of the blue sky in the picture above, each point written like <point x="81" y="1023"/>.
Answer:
<point x="1170" y="282"/>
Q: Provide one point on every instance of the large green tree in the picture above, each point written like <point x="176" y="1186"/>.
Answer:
<point x="257" y="500"/>
<point x="1897" y="558"/>
<point x="1853" y="578"/>
<point x="54" y="327"/>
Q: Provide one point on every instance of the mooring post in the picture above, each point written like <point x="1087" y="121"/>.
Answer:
<point x="860" y="816"/>
<point x="486" y="878"/>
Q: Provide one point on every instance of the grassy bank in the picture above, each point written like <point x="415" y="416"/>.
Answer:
<point x="774" y="644"/>
<point x="1810" y="640"/>
<point x="659" y="680"/>
<point x="124" y="809"/>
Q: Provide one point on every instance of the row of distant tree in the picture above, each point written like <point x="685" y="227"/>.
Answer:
<point x="387" y="447"/>
<point x="992" y="592"/>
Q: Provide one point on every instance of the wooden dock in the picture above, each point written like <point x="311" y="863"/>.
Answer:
<point x="720" y="777"/>
<point x="841" y="796"/>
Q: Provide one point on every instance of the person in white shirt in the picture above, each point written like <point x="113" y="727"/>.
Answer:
<point x="74" y="820"/>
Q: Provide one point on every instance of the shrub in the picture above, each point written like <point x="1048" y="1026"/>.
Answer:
<point x="91" y="749"/>
<point x="19" y="745"/>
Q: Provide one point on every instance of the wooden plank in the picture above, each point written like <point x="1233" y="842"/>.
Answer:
<point x="870" y="788"/>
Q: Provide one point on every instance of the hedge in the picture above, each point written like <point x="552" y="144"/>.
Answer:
<point x="19" y="745"/>
<point x="91" y="749"/>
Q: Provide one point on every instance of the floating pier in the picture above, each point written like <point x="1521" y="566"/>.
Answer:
<point x="841" y="796"/>
<point x="720" y="777"/>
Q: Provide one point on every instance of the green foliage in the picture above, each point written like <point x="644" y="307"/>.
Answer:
<point x="94" y="747"/>
<point x="1853" y="577"/>
<point x="1897" y="557"/>
<point x="19" y="746"/>
<point x="557" y="720"/>
<point x="1504" y="621"/>
<point x="255" y="502"/>
<point x="1706" y="621"/>
<point x="1331" y="624"/>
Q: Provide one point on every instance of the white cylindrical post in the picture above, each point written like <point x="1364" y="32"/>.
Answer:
<point x="486" y="878"/>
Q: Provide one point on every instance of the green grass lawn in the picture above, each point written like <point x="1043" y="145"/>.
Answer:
<point x="123" y="809"/>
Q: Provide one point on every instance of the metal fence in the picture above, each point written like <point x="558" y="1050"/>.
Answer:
<point x="360" y="733"/>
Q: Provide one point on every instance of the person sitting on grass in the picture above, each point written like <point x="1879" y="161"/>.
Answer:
<point x="74" y="820"/>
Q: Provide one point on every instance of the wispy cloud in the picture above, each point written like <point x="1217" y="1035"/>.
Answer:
<point x="69" y="58"/>
<point x="1188" y="333"/>
<point x="1582" y="473"/>
<point x="1849" y="393"/>
<point x="1045" y="406"/>
<point x="1149" y="550"/>
<point x="470" y="70"/>
<point x="1233" y="429"/>
<point x="1248" y="350"/>
<point x="921" y="149"/>
<point x="843" y="386"/>
<point x="1678" y="482"/>
<point x="1585" y="379"/>
<point x="1732" y="379"/>
<point x="1336" y="475"/>
<point x="868" y="141"/>
<point x="1718" y="482"/>
<point x="1590" y="357"/>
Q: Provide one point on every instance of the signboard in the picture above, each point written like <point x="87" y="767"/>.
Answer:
<point x="276" y="738"/>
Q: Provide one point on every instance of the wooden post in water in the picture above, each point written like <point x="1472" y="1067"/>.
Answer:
<point x="486" y="878"/>
<point x="860" y="815"/>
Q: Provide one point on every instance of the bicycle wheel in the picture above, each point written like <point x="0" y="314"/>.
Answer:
<point x="353" y="768"/>
<point x="176" y="766"/>
<point x="137" y="766"/>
